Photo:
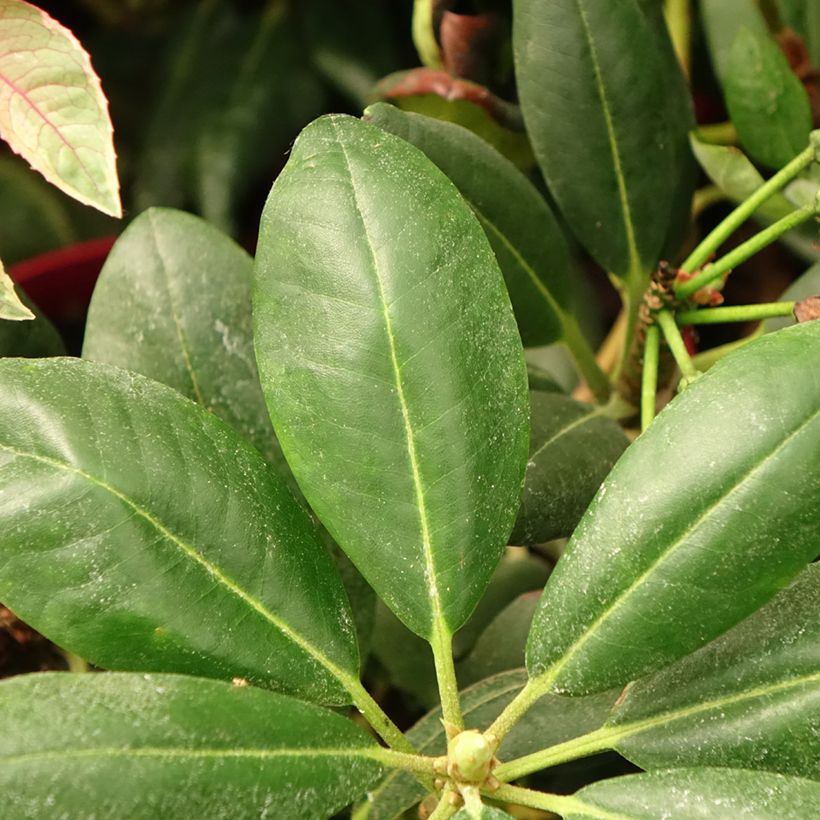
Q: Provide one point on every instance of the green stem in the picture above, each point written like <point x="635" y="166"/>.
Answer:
<point x="442" y="645"/>
<point x="734" y="220"/>
<point x="676" y="344"/>
<point x="748" y="248"/>
<point x="649" y="377"/>
<point x="399" y="760"/>
<point x="703" y="361"/>
<point x="554" y="803"/>
<point x="735" y="313"/>
<point x="75" y="663"/>
<point x="632" y="295"/>
<point x="376" y="717"/>
<point x="445" y="808"/>
<point x="589" y="744"/>
<point x="516" y="709"/>
<point x="584" y="357"/>
<point x="679" y="21"/>
<point x="717" y="133"/>
<point x="706" y="197"/>
<point x="424" y="37"/>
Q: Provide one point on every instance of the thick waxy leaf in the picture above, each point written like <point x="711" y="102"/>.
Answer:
<point x="707" y="794"/>
<point x="12" y="307"/>
<point x="572" y="449"/>
<point x="717" y="496"/>
<point x="52" y="109"/>
<point x="552" y="720"/>
<point x="147" y="746"/>
<point x="750" y="699"/>
<point x="593" y="86"/>
<point x="392" y="367"/>
<point x="30" y="339"/>
<point x="528" y="243"/>
<point x="806" y="285"/>
<point x="767" y="103"/>
<point x="723" y="21"/>
<point x="173" y="302"/>
<point x="142" y="533"/>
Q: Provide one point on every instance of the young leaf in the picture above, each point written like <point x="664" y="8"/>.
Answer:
<point x="12" y="307"/>
<point x="52" y="109"/>
<point x="182" y="290"/>
<point x="708" y="794"/>
<point x="749" y="699"/>
<point x="552" y="720"/>
<point x="692" y="513"/>
<point x="528" y="243"/>
<point x="392" y="367"/>
<point x="594" y="152"/>
<point x="767" y="103"/>
<point x="572" y="448"/>
<point x="142" y="533"/>
<point x="722" y="22"/>
<point x="190" y="748"/>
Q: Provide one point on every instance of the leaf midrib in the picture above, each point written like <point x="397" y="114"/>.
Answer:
<point x="438" y="623"/>
<point x="547" y="677"/>
<point x="190" y="550"/>
<point x="635" y="264"/>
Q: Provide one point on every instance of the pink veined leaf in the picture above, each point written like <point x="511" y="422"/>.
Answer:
<point x="52" y="109"/>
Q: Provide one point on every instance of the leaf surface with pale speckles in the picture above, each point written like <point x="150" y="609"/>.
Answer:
<point x="142" y="533"/>
<point x="704" y="519"/>
<point x="147" y="746"/>
<point x="392" y="367"/>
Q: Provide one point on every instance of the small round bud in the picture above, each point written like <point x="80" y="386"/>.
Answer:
<point x="471" y="756"/>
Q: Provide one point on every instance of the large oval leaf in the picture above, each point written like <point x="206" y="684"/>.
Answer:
<point x="750" y="699"/>
<point x="528" y="243"/>
<point x="572" y="448"/>
<point x="52" y="109"/>
<point x="142" y="533"/>
<point x="723" y="21"/>
<point x="593" y="86"/>
<point x="706" y="794"/>
<point x="173" y="302"/>
<point x="30" y="339"/>
<point x="767" y="103"/>
<point x="717" y="496"/>
<point x="392" y="367"/>
<point x="147" y="746"/>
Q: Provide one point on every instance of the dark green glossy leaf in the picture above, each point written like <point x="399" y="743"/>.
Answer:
<point x="553" y="719"/>
<point x="528" y="243"/>
<point x="749" y="699"/>
<point x="572" y="449"/>
<point x="593" y="85"/>
<point x="542" y="380"/>
<point x="173" y="302"/>
<point x="767" y="103"/>
<point x="512" y="144"/>
<point x="142" y="533"/>
<point x="148" y="746"/>
<point x="718" y="495"/>
<point x="707" y="794"/>
<point x="501" y="646"/>
<point x="806" y="285"/>
<point x="722" y="22"/>
<point x="392" y="367"/>
<point x="30" y="339"/>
